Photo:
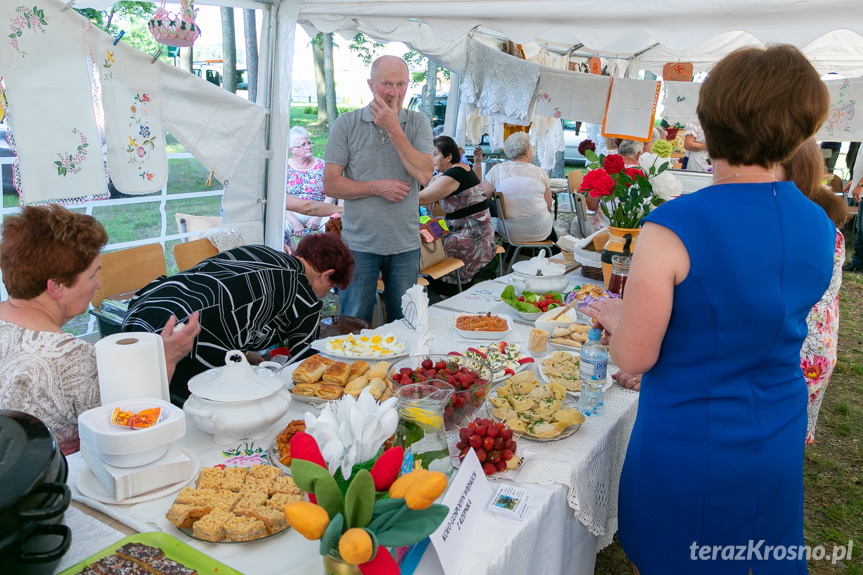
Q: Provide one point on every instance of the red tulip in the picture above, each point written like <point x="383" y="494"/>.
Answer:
<point x="304" y="446"/>
<point x="386" y="469"/>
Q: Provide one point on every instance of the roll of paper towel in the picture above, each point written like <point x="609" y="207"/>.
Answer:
<point x="131" y="365"/>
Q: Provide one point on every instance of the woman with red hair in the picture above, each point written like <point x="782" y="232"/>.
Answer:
<point x="250" y="298"/>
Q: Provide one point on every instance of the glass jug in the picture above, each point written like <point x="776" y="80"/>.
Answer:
<point x="421" y="429"/>
<point x="619" y="273"/>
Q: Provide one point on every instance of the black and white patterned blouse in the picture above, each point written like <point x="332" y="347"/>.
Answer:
<point x="250" y="298"/>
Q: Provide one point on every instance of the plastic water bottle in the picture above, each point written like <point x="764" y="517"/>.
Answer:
<point x="592" y="373"/>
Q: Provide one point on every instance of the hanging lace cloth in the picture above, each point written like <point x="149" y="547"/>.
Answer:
<point x="572" y="95"/>
<point x="681" y="98"/>
<point x="499" y="84"/>
<point x="132" y="103"/>
<point x="50" y="106"/>
<point x="548" y="135"/>
<point x="631" y="109"/>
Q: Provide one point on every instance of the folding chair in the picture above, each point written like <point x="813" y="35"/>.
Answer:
<point x="501" y="214"/>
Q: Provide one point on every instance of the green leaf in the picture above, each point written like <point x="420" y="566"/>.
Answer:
<point x="383" y="506"/>
<point x="386" y="514"/>
<point x="591" y="155"/>
<point x="412" y="526"/>
<point x="360" y="499"/>
<point x="331" y="536"/>
<point x="409" y="432"/>
<point x="312" y="478"/>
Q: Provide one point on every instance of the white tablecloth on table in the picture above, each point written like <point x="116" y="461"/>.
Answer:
<point x="582" y="470"/>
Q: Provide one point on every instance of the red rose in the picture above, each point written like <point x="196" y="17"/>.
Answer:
<point x="631" y="172"/>
<point x="613" y="164"/>
<point x="598" y="183"/>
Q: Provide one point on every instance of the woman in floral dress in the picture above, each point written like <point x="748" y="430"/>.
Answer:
<point x="818" y="355"/>
<point x="307" y="208"/>
<point x="471" y="237"/>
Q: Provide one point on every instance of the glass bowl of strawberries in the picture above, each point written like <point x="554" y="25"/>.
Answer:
<point x="471" y="378"/>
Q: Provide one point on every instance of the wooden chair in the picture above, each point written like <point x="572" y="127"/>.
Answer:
<point x="193" y="252"/>
<point x="501" y="214"/>
<point x="501" y="252"/>
<point x="444" y="267"/>
<point x="579" y="203"/>
<point x="127" y="271"/>
<point x="190" y="223"/>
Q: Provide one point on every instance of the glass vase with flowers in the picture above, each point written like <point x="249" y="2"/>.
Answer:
<point x="626" y="195"/>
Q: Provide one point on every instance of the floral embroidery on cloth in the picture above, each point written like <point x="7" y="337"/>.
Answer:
<point x="71" y="163"/>
<point x="843" y="122"/>
<point x="139" y="150"/>
<point x="245" y="455"/>
<point x="31" y="19"/>
<point x="841" y="113"/>
<point x="818" y="354"/>
<point x="132" y="103"/>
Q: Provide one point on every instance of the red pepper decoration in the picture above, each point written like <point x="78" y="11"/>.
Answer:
<point x="522" y="360"/>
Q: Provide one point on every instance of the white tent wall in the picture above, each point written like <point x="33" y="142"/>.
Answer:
<point x="829" y="32"/>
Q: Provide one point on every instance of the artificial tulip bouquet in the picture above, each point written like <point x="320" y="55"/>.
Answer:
<point x="627" y="194"/>
<point x="355" y="511"/>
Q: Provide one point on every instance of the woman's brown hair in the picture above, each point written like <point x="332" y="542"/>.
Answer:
<point x="328" y="252"/>
<point x="758" y="105"/>
<point x="806" y="168"/>
<point x="47" y="242"/>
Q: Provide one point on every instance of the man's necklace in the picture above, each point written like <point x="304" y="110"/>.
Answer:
<point x="384" y="137"/>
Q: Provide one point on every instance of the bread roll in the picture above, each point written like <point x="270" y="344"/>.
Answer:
<point x="378" y="370"/>
<point x="358" y="368"/>
<point x="306" y="389"/>
<point x="337" y="373"/>
<point x="355" y="386"/>
<point x="377" y="387"/>
<point x="329" y="391"/>
<point x="310" y="370"/>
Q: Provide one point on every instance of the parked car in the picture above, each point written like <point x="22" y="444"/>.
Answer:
<point x="440" y="101"/>
<point x="570" y="138"/>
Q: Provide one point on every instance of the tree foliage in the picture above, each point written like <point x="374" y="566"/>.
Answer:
<point x="366" y="48"/>
<point x="418" y="64"/>
<point x="132" y="18"/>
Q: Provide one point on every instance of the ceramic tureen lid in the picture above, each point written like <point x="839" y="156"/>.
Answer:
<point x="237" y="381"/>
<point x="539" y="264"/>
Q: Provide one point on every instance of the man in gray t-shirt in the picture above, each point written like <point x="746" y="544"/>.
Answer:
<point x="376" y="160"/>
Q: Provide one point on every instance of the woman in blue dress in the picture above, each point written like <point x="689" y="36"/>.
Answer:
<point x="715" y="315"/>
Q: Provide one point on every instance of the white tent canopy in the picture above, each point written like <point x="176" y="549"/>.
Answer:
<point x="641" y="34"/>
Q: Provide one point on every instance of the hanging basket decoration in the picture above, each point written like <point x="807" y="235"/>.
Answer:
<point x="176" y="29"/>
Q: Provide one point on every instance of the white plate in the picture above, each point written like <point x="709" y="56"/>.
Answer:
<point x="484" y="335"/>
<point x="90" y="486"/>
<point x="568" y="401"/>
<point x="541" y="372"/>
<point x="320" y="345"/>
<point x="498" y="370"/>
<point x="608" y="380"/>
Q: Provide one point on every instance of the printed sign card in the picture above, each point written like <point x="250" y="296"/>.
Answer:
<point x="466" y="498"/>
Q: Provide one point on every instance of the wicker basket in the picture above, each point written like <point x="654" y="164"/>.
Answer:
<point x="592" y="273"/>
<point x="567" y="256"/>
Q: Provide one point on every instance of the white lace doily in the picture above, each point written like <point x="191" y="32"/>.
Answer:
<point x="588" y="463"/>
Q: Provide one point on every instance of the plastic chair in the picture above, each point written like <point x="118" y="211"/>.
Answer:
<point x="501" y="214"/>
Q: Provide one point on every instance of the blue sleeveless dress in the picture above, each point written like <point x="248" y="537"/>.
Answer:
<point x="716" y="453"/>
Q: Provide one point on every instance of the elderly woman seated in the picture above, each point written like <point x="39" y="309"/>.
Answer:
<point x="307" y="208"/>
<point x="49" y="257"/>
<point x="471" y="237"/>
<point x="526" y="190"/>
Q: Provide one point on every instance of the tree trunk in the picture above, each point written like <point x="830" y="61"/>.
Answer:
<point x="430" y="91"/>
<point x="229" y="50"/>
<point x="251" y="34"/>
<point x="320" y="82"/>
<point x="186" y="56"/>
<point x="329" y="80"/>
